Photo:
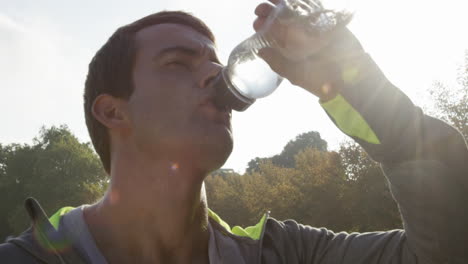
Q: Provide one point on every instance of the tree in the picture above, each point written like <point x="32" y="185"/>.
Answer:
<point x="303" y="141"/>
<point x="285" y="159"/>
<point x="342" y="190"/>
<point x="369" y="203"/>
<point x="56" y="169"/>
<point x="322" y="182"/>
<point x="270" y="189"/>
<point x="224" y="192"/>
<point x="451" y="103"/>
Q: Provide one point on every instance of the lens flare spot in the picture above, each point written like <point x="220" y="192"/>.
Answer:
<point x="326" y="88"/>
<point x="174" y="166"/>
<point x="114" y="196"/>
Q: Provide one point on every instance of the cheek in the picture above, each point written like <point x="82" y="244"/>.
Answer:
<point x="165" y="107"/>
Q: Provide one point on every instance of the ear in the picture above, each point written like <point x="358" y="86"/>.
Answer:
<point x="110" y="111"/>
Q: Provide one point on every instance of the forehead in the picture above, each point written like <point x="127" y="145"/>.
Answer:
<point x="162" y="36"/>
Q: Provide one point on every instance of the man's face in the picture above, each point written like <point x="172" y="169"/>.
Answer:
<point x="171" y="109"/>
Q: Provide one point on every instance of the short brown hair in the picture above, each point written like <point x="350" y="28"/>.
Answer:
<point x="110" y="71"/>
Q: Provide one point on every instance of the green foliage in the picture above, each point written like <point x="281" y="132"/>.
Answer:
<point x="286" y="158"/>
<point x="451" y="103"/>
<point x="56" y="169"/>
<point x="341" y="191"/>
<point x="370" y="203"/>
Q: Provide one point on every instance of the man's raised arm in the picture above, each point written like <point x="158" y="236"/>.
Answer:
<point x="424" y="159"/>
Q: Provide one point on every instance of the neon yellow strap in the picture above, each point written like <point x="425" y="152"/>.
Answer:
<point x="349" y="120"/>
<point x="55" y="219"/>
<point x="219" y="220"/>
<point x="254" y="232"/>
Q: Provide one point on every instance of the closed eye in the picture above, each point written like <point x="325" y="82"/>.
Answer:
<point x="177" y="64"/>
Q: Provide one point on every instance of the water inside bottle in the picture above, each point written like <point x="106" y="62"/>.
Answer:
<point x="251" y="75"/>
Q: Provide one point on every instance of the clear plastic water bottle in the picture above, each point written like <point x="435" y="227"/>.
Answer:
<point x="246" y="76"/>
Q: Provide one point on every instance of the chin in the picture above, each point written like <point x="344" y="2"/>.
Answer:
<point x="216" y="154"/>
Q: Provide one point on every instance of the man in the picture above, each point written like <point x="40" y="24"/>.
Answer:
<point x="151" y="116"/>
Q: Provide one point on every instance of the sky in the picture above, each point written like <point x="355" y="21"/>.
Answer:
<point x="45" y="48"/>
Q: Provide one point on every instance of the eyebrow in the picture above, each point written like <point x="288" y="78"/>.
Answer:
<point x="184" y="50"/>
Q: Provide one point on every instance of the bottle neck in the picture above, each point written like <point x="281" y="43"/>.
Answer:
<point x="227" y="95"/>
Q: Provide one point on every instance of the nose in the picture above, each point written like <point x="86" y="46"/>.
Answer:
<point x="208" y="73"/>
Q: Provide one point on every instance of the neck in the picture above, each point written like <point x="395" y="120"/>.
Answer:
<point x="154" y="211"/>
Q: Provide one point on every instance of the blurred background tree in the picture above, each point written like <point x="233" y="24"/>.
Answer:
<point x="56" y="169"/>
<point x="451" y="102"/>
<point x="286" y="158"/>
<point x="343" y="191"/>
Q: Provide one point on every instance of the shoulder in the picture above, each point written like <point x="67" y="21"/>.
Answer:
<point x="292" y="241"/>
<point x="11" y="253"/>
<point x="292" y="229"/>
<point x="298" y="243"/>
<point x="295" y="233"/>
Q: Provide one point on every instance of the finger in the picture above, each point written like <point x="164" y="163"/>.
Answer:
<point x="276" y="31"/>
<point x="264" y="9"/>
<point x="258" y="23"/>
<point x="276" y="2"/>
<point x="276" y="28"/>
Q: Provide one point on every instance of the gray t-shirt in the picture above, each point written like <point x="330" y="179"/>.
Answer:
<point x="76" y="229"/>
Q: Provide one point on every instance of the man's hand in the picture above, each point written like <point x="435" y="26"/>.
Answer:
<point x="312" y="60"/>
